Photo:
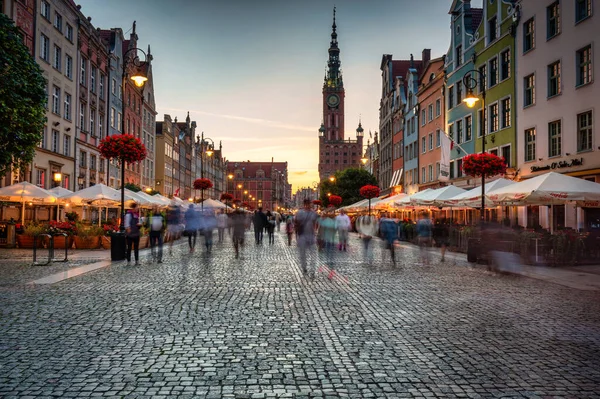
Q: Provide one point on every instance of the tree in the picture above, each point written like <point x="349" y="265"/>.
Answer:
<point x="347" y="185"/>
<point x="22" y="100"/>
<point x="133" y="187"/>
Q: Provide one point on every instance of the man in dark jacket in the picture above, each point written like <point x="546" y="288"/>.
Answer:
<point x="260" y="223"/>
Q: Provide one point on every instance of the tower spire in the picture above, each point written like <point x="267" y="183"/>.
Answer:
<point x="333" y="77"/>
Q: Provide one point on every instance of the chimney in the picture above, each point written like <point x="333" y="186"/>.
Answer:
<point x="426" y="56"/>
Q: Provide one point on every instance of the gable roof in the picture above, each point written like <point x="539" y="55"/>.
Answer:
<point x="476" y="17"/>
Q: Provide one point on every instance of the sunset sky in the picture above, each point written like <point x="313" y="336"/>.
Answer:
<point x="250" y="72"/>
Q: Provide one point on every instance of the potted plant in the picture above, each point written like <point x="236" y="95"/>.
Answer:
<point x="72" y="216"/>
<point x="109" y="227"/>
<point x="88" y="237"/>
<point x="144" y="236"/>
<point x="58" y="229"/>
<point x="31" y="232"/>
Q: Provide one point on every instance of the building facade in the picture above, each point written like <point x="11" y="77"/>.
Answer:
<point x="335" y="151"/>
<point x="23" y="13"/>
<point x="166" y="131"/>
<point x="461" y="121"/>
<point x="148" y="128"/>
<point x="210" y="163"/>
<point x="259" y="184"/>
<point x="431" y="95"/>
<point x="411" y="132"/>
<point x="557" y="99"/>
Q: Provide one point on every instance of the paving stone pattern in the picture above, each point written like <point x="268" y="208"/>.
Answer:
<point x="212" y="326"/>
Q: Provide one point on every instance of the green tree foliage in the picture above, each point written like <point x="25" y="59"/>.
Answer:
<point x="133" y="187"/>
<point x="22" y="100"/>
<point x="347" y="184"/>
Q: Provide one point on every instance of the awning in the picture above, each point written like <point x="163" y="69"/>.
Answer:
<point x="396" y="178"/>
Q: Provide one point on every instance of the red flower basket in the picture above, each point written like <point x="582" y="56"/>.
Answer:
<point x="335" y="200"/>
<point x="237" y="200"/>
<point x="202" y="184"/>
<point x="317" y="202"/>
<point x="369" y="191"/>
<point x="485" y="164"/>
<point x="124" y="147"/>
<point x="245" y="204"/>
<point x="226" y="197"/>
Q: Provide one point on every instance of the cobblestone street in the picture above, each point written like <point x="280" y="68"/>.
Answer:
<point x="209" y="325"/>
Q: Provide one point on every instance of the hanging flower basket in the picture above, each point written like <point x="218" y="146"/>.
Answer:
<point x="237" y="201"/>
<point x="124" y="147"/>
<point x="486" y="165"/>
<point x="335" y="200"/>
<point x="317" y="202"/>
<point x="202" y="184"/>
<point x="226" y="197"/>
<point x="245" y="204"/>
<point x="369" y="191"/>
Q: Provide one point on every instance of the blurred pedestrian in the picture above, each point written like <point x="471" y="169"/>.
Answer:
<point x="259" y="220"/>
<point x="343" y="226"/>
<point x="192" y="224"/>
<point x="157" y="223"/>
<point x="238" y="222"/>
<point x="327" y="227"/>
<point x="289" y="228"/>
<point x="441" y="236"/>
<point x="173" y="224"/>
<point x="222" y="223"/>
<point x="208" y="224"/>
<point x="133" y="223"/>
<point x="424" y="234"/>
<point x="368" y="227"/>
<point x="305" y="224"/>
<point x="389" y="233"/>
<point x="270" y="226"/>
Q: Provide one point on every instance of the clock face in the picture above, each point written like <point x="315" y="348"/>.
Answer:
<point x="333" y="100"/>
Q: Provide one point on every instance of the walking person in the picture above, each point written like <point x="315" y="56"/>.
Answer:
<point x="208" y="224"/>
<point x="238" y="224"/>
<point x="289" y="228"/>
<point x="327" y="227"/>
<point x="222" y="224"/>
<point x="173" y="224"/>
<point x="192" y="224"/>
<point x="259" y="225"/>
<point x="305" y="224"/>
<point x="157" y="223"/>
<point x="441" y="236"/>
<point x="343" y="226"/>
<point x="270" y="227"/>
<point x="389" y="233"/>
<point x="368" y="227"/>
<point x="424" y="234"/>
<point x="133" y="224"/>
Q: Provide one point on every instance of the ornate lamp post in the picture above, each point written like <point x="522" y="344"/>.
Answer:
<point x="200" y="147"/>
<point x="471" y="99"/>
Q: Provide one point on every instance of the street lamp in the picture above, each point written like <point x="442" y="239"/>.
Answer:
<point x="209" y="151"/>
<point x="471" y="99"/>
<point x="57" y="177"/>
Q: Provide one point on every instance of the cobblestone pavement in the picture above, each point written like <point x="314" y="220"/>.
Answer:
<point x="214" y="326"/>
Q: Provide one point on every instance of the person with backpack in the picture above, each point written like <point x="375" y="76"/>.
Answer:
<point x="132" y="233"/>
<point x="270" y="227"/>
<point x="157" y="224"/>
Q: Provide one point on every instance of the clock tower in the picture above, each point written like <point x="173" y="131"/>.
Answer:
<point x="335" y="152"/>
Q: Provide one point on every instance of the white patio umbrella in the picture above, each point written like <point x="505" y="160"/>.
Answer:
<point x="213" y="204"/>
<point x="389" y="201"/>
<point x="139" y="198"/>
<point x="97" y="195"/>
<point x="26" y="192"/>
<point x="408" y="200"/>
<point x="164" y="200"/>
<point x="472" y="198"/>
<point x="437" y="196"/>
<point x="60" y="192"/>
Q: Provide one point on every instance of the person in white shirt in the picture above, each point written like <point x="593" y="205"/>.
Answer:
<point x="343" y="225"/>
<point x="368" y="227"/>
<point x="222" y="223"/>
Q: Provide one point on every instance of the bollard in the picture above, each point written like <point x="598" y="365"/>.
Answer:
<point x="35" y="241"/>
<point x="52" y="248"/>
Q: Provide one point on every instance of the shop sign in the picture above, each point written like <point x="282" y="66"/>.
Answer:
<point x="558" y="165"/>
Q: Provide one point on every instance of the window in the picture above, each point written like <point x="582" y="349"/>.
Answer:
<point x="437" y="170"/>
<point x="44" y="48"/>
<point x="493" y="72"/>
<point x="93" y="79"/>
<point x="101" y="85"/>
<point x="112" y="117"/>
<point x="554" y="139"/>
<point x="119" y="117"/>
<point x="69" y="33"/>
<point x="583" y="9"/>
<point x="430" y="141"/>
<point x="113" y="86"/>
<point x="451" y="132"/>
<point x="584" y="131"/>
<point x="438" y="138"/>
<point x="82" y="117"/>
<point x="83" y="77"/>
<point x="45" y="9"/>
<point x="69" y="66"/>
<point x="554" y="79"/>
<point x="493" y="117"/>
<point x="492" y="26"/>
<point x="459" y="131"/>
<point x="468" y="128"/>
<point x="459" y="164"/>
<point x="552" y="20"/>
<point x="423" y="118"/>
<point x="505" y="112"/>
<point x="482" y="78"/>
<point x="438" y="107"/>
<point x="505" y="66"/>
<point x="93" y="162"/>
<point x="67" y="106"/>
<point x="584" y="65"/>
<point x="57" y="58"/>
<point x="450" y="97"/>
<point x="529" y="145"/>
<point x="459" y="55"/>
<point x="458" y="92"/>
<point x="423" y="176"/>
<point x="423" y="145"/>
<point x="452" y="169"/>
<point x="82" y="159"/>
<point x="430" y="169"/>
<point x="482" y="117"/>
<point x="56" y="100"/>
<point x="100" y="130"/>
<point x="44" y="142"/>
<point x="40" y="178"/>
<point x="58" y="21"/>
<point x="430" y="112"/>
<point x="92" y="122"/>
<point x="528" y="35"/>
<point x="67" y="145"/>
<point x="55" y="140"/>
<point x="506" y="155"/>
<point x="529" y="88"/>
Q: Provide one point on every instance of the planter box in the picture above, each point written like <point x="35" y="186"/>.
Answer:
<point x="60" y="242"/>
<point x="144" y="241"/>
<point x="87" y="242"/>
<point x="105" y="242"/>
<point x="24" y="241"/>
